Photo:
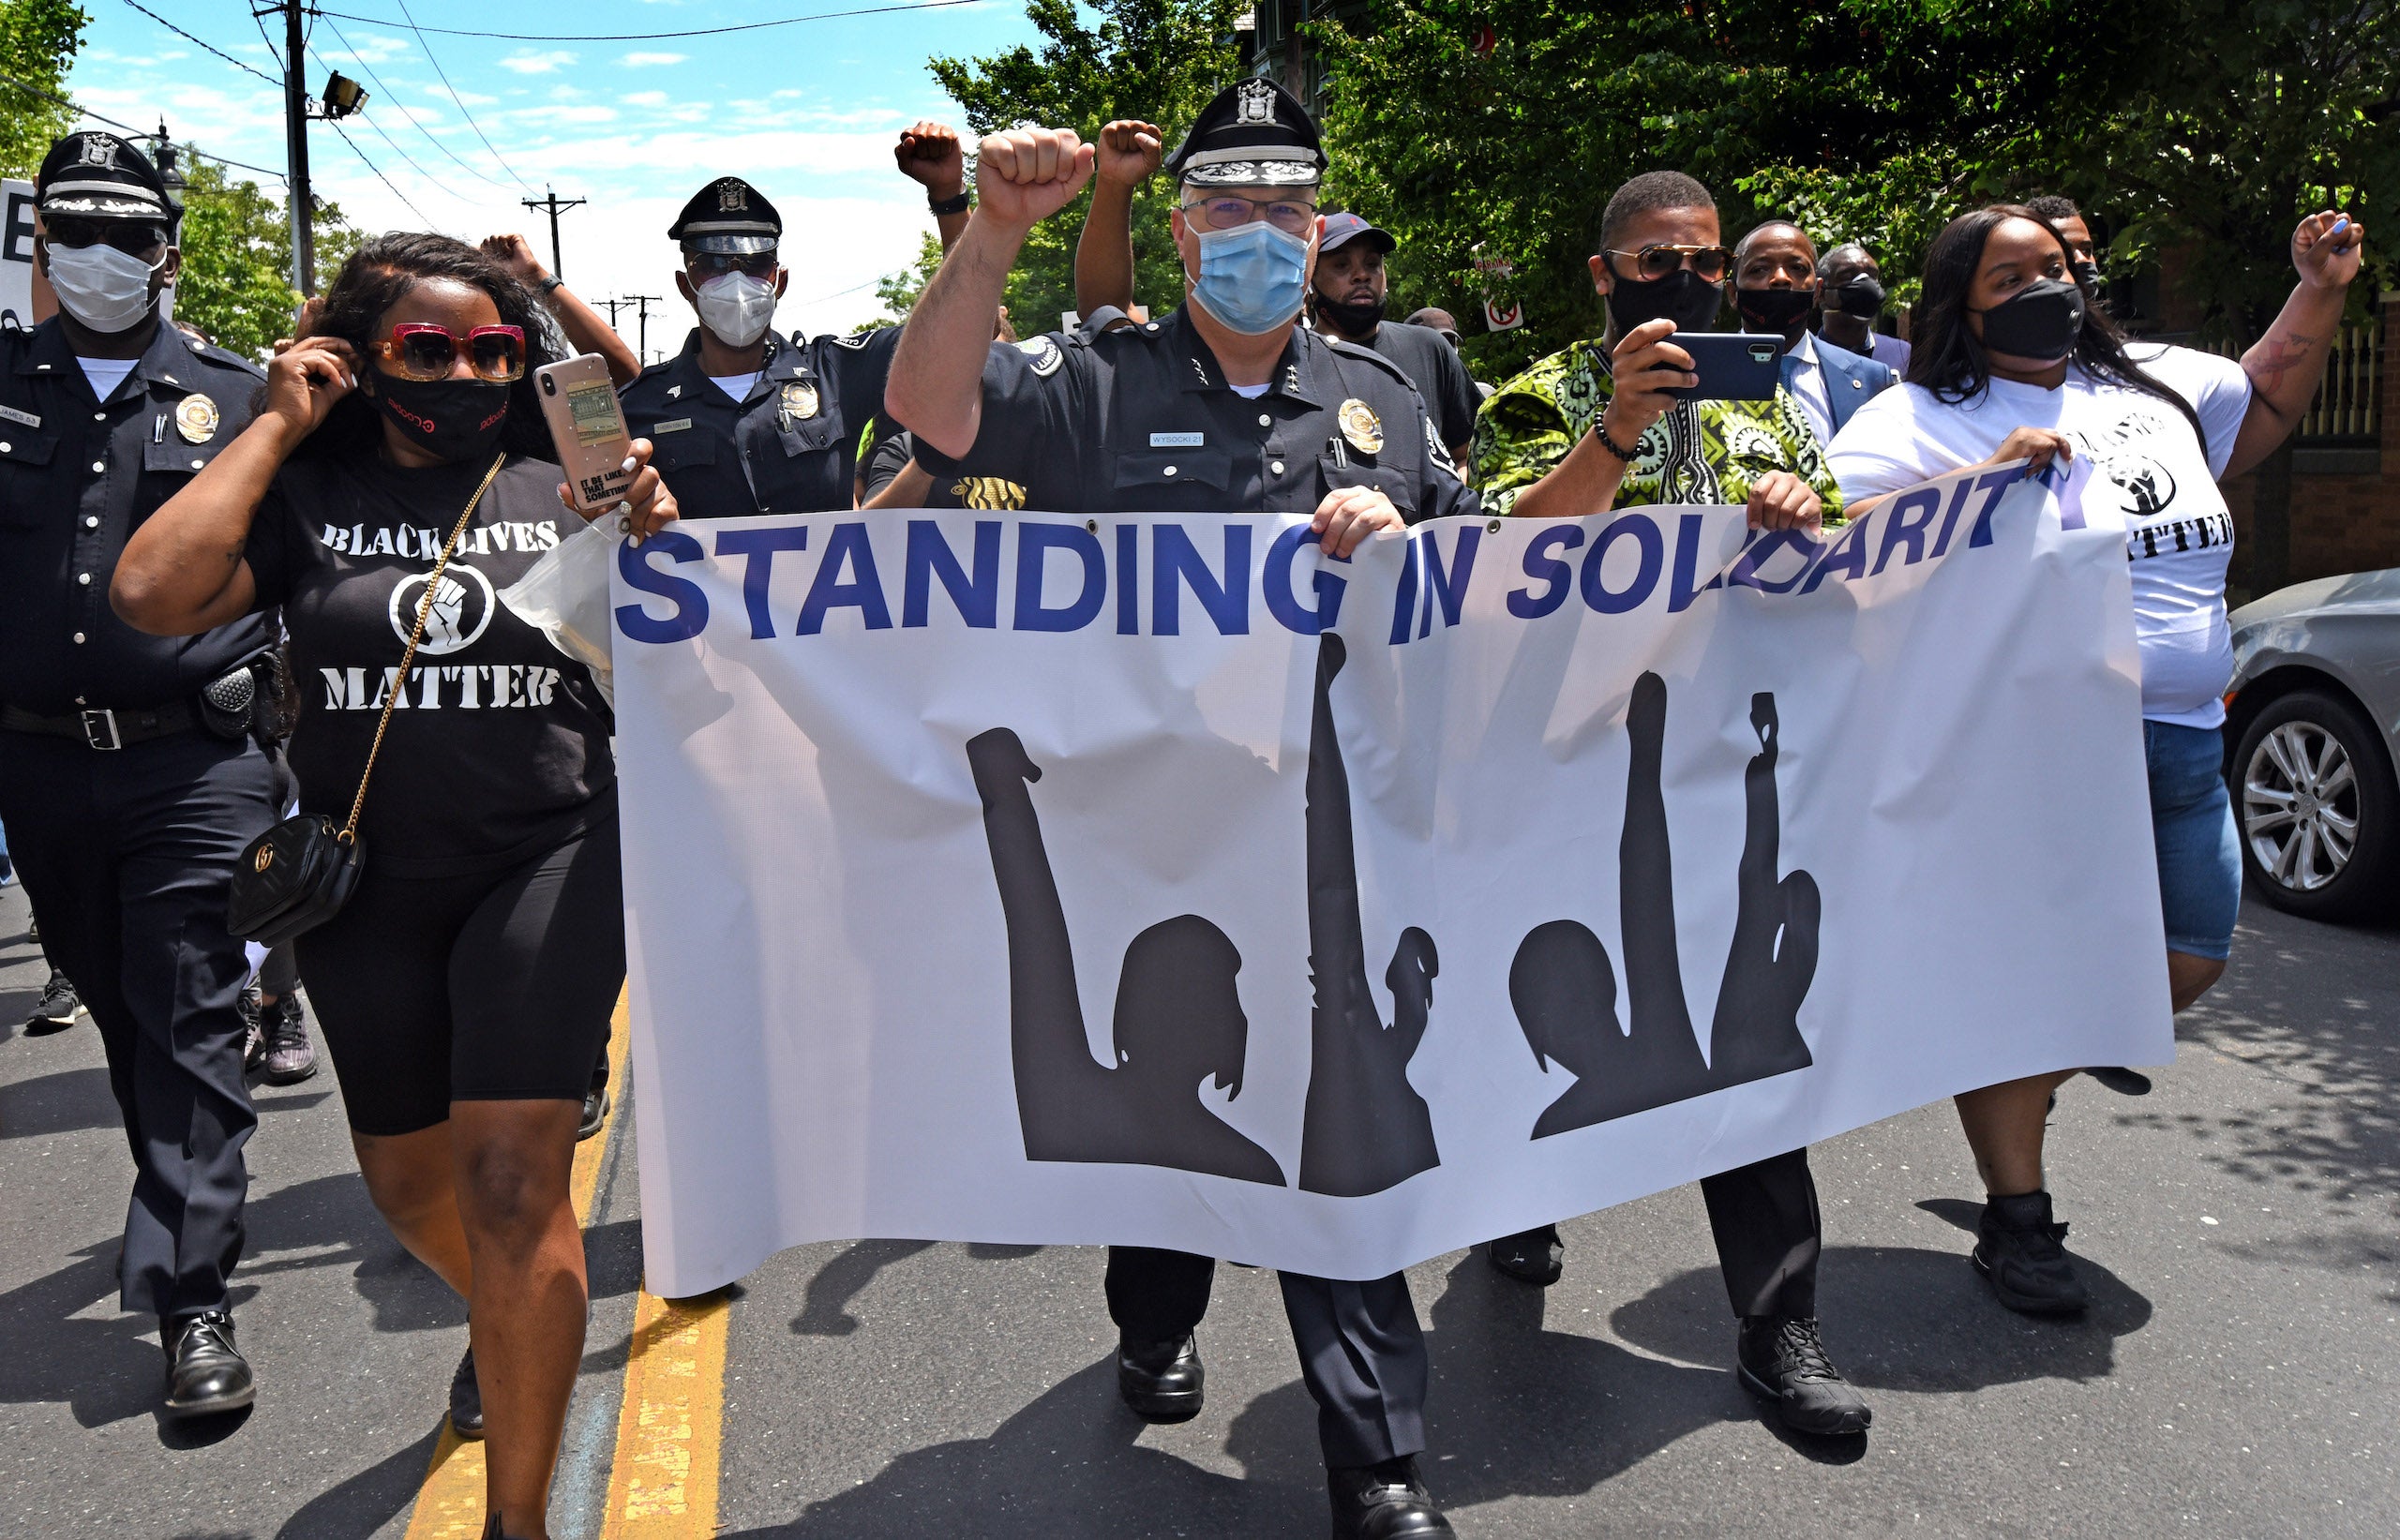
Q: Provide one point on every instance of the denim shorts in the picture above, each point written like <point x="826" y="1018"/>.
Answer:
<point x="2199" y="854"/>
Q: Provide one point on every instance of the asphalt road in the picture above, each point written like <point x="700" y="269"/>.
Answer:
<point x="2233" y="1377"/>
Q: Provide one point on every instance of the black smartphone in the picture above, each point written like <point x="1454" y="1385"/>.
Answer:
<point x="1732" y="366"/>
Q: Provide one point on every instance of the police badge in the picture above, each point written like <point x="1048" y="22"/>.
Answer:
<point x="1361" y="427"/>
<point x="196" y="419"/>
<point x="799" y="402"/>
<point x="1254" y="102"/>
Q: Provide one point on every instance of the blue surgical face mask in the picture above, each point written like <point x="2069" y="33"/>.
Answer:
<point x="1252" y="278"/>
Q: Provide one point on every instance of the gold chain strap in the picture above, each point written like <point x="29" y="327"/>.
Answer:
<point x="400" y="682"/>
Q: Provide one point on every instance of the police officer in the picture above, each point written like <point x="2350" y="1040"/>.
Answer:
<point x="129" y="777"/>
<point x="1258" y="413"/>
<point x="743" y="421"/>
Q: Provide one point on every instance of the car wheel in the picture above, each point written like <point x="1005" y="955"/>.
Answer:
<point x="2318" y="812"/>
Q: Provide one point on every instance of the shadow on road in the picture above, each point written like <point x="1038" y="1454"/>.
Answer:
<point x="368" y="1500"/>
<point x="65" y="1101"/>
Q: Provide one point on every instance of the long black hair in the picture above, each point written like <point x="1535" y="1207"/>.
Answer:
<point x="378" y="276"/>
<point x="1949" y="361"/>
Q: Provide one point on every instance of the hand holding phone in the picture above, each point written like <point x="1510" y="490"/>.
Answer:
<point x="579" y="403"/>
<point x="1730" y="366"/>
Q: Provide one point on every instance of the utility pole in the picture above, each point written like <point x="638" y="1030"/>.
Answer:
<point x="554" y="206"/>
<point x="642" y="304"/>
<point x="296" y="134"/>
<point x="614" y="303"/>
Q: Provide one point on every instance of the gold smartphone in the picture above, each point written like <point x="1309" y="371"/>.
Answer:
<point x="579" y="402"/>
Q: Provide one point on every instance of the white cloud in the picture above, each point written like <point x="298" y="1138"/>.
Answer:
<point x="645" y="98"/>
<point x="536" y="64"/>
<point x="374" y="48"/>
<point x="640" y="61"/>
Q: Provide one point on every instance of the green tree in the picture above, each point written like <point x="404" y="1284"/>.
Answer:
<point x="236" y="241"/>
<point x="899" y="290"/>
<point x="1159" y="60"/>
<point x="38" y="42"/>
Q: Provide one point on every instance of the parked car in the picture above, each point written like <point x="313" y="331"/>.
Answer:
<point x="2312" y="737"/>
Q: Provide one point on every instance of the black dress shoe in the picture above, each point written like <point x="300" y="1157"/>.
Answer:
<point x="1383" y="1501"/>
<point x="595" y="1113"/>
<point x="1162" y="1381"/>
<point x="467" y="1399"/>
<point x="1532" y="1256"/>
<point x="1781" y="1361"/>
<point x="205" y="1375"/>
<point x="2121" y="1080"/>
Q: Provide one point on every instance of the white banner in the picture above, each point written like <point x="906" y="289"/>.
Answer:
<point x="1148" y="879"/>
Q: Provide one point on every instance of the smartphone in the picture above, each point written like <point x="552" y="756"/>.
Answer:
<point x="579" y="402"/>
<point x="1732" y="366"/>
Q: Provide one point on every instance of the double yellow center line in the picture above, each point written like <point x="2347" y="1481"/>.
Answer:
<point x="663" y="1474"/>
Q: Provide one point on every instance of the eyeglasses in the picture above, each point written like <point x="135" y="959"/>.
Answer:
<point x="1657" y="262"/>
<point x="705" y="265"/>
<point x="134" y="237"/>
<point x="420" y="351"/>
<point x="1233" y="212"/>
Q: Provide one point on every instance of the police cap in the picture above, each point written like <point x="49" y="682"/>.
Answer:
<point x="728" y="217"/>
<point x="95" y="175"/>
<point x="1253" y="134"/>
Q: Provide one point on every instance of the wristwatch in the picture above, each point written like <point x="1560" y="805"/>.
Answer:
<point x="944" y="207"/>
<point x="552" y="284"/>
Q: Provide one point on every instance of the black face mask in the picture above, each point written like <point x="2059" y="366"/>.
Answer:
<point x="1683" y="296"/>
<point x="1860" y="296"/>
<point x="456" y="419"/>
<point x="2040" y="320"/>
<point x="1352" y="319"/>
<point x="1780" y="311"/>
<point x="2088" y="273"/>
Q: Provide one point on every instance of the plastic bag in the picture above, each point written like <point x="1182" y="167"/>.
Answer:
<point x="565" y="596"/>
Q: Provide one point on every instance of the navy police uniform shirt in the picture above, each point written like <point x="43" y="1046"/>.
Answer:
<point x="78" y="475"/>
<point x="1140" y="420"/>
<point x="790" y="446"/>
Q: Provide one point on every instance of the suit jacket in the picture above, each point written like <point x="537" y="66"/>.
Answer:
<point x="1850" y="380"/>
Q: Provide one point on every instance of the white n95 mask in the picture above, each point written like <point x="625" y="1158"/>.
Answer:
<point x="101" y="286"/>
<point x="736" y="308"/>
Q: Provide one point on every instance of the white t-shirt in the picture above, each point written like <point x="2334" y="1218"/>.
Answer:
<point x="736" y="385"/>
<point x="2142" y="455"/>
<point x="106" y="374"/>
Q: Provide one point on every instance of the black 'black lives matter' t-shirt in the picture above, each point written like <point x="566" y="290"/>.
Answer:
<point x="499" y="745"/>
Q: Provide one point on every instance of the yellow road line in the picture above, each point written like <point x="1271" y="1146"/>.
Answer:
<point x="450" y="1500"/>
<point x="662" y="1485"/>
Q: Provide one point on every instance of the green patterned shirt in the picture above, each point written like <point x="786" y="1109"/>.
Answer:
<point x="1699" y="451"/>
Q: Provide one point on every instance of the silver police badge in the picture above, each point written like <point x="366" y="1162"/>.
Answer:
<point x="1046" y="355"/>
<point x="196" y="419"/>
<point x="799" y="401"/>
<point x="732" y="197"/>
<point x="98" y="150"/>
<point x="1254" y="102"/>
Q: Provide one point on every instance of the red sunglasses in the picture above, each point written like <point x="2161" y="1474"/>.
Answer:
<point x="421" y="350"/>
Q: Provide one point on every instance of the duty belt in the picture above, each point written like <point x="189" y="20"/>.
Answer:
<point x="104" y="729"/>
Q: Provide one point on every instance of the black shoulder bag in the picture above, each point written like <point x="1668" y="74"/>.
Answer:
<point x="299" y="874"/>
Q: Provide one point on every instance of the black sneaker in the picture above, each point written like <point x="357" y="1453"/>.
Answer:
<point x="285" y="1054"/>
<point x="1161" y="1381"/>
<point x="1533" y="1256"/>
<point x="2121" y="1080"/>
<point x="204" y="1375"/>
<point x="467" y="1399"/>
<point x="1781" y="1360"/>
<point x="2018" y="1252"/>
<point x="1386" y="1502"/>
<point x="595" y="1113"/>
<point x="58" y="1010"/>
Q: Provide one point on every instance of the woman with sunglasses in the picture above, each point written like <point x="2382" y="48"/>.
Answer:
<point x="2015" y="360"/>
<point x="466" y="986"/>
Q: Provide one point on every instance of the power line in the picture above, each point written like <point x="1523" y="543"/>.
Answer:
<point x="501" y="160"/>
<point x="258" y="20"/>
<point x="393" y="97"/>
<point x="654" y="37"/>
<point x="209" y="47"/>
<point x="411" y="161"/>
<point x="379" y="174"/>
<point x="127" y="127"/>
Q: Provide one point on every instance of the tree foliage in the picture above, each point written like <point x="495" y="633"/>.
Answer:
<point x="2210" y="121"/>
<point x="237" y="243"/>
<point x="38" y="42"/>
<point x="1159" y="60"/>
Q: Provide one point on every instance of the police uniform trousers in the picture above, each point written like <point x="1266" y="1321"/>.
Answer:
<point x="1362" y="1353"/>
<point x="128" y="855"/>
<point x="1769" y="1234"/>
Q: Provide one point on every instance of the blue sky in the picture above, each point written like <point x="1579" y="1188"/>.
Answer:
<point x="807" y="112"/>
